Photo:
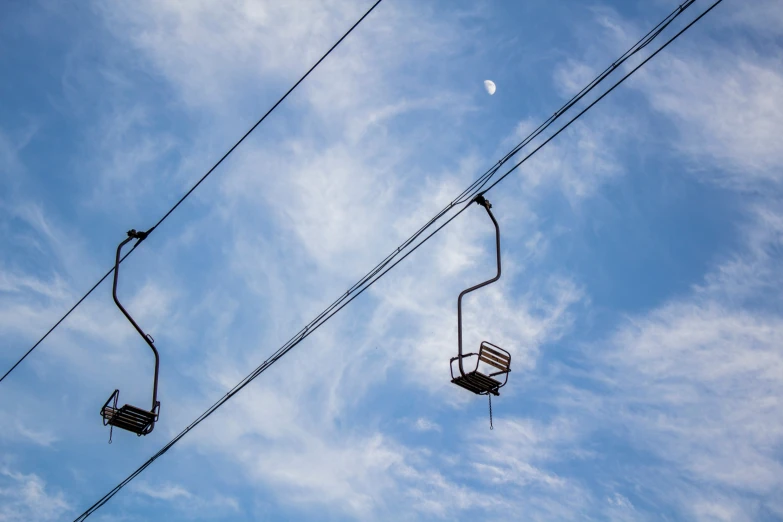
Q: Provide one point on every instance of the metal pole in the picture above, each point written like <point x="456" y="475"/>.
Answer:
<point x="140" y="236"/>
<point x="484" y="203"/>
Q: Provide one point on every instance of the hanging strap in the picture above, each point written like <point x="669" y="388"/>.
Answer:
<point x="111" y="431"/>
<point x="490" y="411"/>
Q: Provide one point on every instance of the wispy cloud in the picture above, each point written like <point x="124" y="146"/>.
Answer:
<point x="25" y="499"/>
<point x="510" y="455"/>
<point x="422" y="424"/>
<point x="162" y="491"/>
<point x="721" y="99"/>
<point x="360" y="157"/>
<point x="693" y="383"/>
<point x="193" y="505"/>
<point x="727" y="112"/>
<point x="40" y="437"/>
<point x="698" y="378"/>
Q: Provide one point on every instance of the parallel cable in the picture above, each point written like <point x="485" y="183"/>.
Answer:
<point x="606" y="93"/>
<point x="189" y="192"/>
<point x="356" y="291"/>
<point x="475" y="187"/>
<point x="633" y="50"/>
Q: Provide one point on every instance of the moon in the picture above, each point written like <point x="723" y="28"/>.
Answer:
<point x="489" y="85"/>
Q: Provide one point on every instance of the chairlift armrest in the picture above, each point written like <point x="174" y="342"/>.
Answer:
<point x="498" y="373"/>
<point x="114" y="396"/>
<point x="451" y="361"/>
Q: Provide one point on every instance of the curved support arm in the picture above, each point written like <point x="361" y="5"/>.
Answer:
<point x="484" y="203"/>
<point x="147" y="338"/>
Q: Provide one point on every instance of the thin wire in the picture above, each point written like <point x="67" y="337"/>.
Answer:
<point x="334" y="309"/>
<point x="189" y="192"/>
<point x="332" y="48"/>
<point x="475" y="187"/>
<point x="633" y="50"/>
<point x="96" y="285"/>
<point x="295" y="340"/>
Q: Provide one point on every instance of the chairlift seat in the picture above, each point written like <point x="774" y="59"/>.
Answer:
<point x="129" y="418"/>
<point x="476" y="381"/>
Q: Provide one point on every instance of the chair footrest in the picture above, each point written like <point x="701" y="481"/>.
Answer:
<point x="478" y="383"/>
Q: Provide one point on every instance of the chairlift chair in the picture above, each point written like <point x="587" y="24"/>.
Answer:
<point x="491" y="360"/>
<point x="131" y="418"/>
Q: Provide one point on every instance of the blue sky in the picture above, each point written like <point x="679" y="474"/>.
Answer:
<point x="640" y="297"/>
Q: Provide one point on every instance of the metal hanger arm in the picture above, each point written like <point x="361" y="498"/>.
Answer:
<point x="140" y="236"/>
<point x="484" y="203"/>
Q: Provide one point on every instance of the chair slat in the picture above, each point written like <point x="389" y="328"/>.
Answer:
<point x="129" y="418"/>
<point x="493" y="363"/>
<point x="504" y="362"/>
<point x="477" y="382"/>
<point x="500" y="355"/>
